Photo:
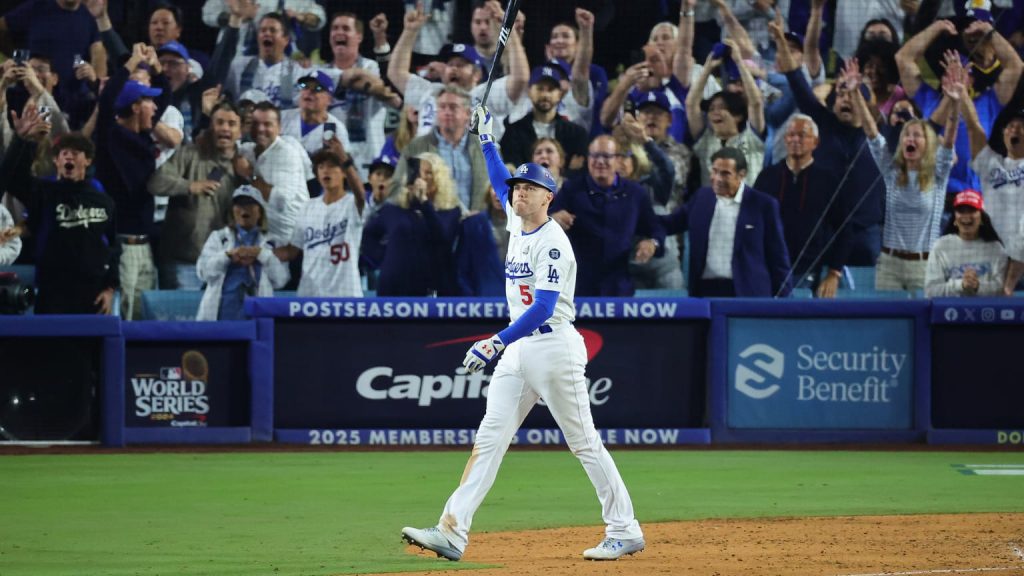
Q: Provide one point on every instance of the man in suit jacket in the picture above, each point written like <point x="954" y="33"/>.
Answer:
<point x="603" y="215"/>
<point x="736" y="243"/>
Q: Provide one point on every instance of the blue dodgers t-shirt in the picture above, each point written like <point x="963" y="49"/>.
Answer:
<point x="988" y="106"/>
<point x="55" y="32"/>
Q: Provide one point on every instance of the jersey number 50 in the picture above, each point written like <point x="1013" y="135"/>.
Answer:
<point x="339" y="253"/>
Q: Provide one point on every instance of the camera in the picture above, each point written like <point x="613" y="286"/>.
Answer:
<point x="330" y="128"/>
<point x="21" y="56"/>
<point x="45" y="112"/>
<point x="78" y="61"/>
<point x="15" y="298"/>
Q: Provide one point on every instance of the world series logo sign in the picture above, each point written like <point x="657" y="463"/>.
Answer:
<point x="176" y="395"/>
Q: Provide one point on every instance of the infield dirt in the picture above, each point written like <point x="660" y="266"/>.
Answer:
<point x="837" y="546"/>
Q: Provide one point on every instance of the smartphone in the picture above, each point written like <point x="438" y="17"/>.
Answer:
<point x="412" y="166"/>
<point x="21" y="56"/>
<point x="216" y="174"/>
<point x="77" y="61"/>
<point x="45" y="112"/>
<point x="330" y="129"/>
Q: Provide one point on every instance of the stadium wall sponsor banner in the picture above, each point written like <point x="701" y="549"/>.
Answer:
<point x="186" y="385"/>
<point x="466" y="437"/>
<point x="820" y="373"/>
<point x="409" y="374"/>
<point x="459" y="308"/>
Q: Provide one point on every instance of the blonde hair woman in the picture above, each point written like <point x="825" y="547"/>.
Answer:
<point x="915" y="186"/>
<point x="411" y="240"/>
<point x="548" y="153"/>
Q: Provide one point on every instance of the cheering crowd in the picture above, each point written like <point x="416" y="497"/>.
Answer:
<point x="784" y="140"/>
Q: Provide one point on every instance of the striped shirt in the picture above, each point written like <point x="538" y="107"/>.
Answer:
<point x="912" y="217"/>
<point x="461" y="167"/>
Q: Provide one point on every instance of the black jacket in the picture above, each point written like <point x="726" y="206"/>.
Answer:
<point x="520" y="136"/>
<point x="72" y="223"/>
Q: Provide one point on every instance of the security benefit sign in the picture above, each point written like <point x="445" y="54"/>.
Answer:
<point x="186" y="385"/>
<point x="820" y="373"/>
<point x="407" y="374"/>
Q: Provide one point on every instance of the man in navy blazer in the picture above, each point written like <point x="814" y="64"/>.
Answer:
<point x="736" y="243"/>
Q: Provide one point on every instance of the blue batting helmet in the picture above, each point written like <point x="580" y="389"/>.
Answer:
<point x="534" y="174"/>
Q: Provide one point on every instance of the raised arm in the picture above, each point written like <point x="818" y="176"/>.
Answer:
<point x="812" y="38"/>
<point x="518" y="65"/>
<point x="483" y="123"/>
<point x="693" y="114"/>
<point x="755" y="100"/>
<point x="953" y="89"/>
<point x="682" y="63"/>
<point x="849" y="81"/>
<point x="784" y="60"/>
<point x="401" y="55"/>
<point x="613" y="103"/>
<point x="913" y="50"/>
<point x="975" y="132"/>
<point x="736" y="30"/>
<point x="584" y="57"/>
<point x="1008" y="57"/>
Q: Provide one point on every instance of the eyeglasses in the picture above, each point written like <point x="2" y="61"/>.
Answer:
<point x="311" y="86"/>
<point x="603" y="156"/>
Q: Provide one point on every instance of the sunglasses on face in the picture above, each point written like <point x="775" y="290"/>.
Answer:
<point x="311" y="86"/>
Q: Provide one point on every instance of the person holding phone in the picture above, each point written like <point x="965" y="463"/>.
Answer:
<point x="311" y="123"/>
<point x="411" y="240"/>
<point x="199" y="180"/>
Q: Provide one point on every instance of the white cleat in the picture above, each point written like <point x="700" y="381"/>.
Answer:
<point x="432" y="539"/>
<point x="614" y="548"/>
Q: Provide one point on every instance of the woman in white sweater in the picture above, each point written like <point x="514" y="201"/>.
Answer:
<point x="969" y="259"/>
<point x="237" y="261"/>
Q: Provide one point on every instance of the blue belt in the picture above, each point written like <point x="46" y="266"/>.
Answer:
<point x="544" y="329"/>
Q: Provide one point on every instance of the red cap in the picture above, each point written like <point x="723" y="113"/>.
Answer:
<point x="969" y="198"/>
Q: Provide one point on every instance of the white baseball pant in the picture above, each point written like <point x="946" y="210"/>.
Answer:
<point x="549" y="366"/>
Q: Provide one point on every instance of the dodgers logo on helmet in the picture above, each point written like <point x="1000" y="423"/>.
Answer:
<point x="535" y="174"/>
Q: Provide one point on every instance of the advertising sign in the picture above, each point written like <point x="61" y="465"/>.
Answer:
<point x="189" y="384"/>
<point x="976" y="382"/>
<point x="408" y="374"/>
<point x="825" y="373"/>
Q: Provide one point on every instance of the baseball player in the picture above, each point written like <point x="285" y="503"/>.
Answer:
<point x="329" y="231"/>
<point x="544" y="357"/>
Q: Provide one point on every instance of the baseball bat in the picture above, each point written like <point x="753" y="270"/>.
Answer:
<point x="506" y="29"/>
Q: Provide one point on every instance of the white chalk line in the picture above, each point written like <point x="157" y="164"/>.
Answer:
<point x="947" y="571"/>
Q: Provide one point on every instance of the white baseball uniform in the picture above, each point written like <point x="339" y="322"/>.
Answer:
<point x="548" y="364"/>
<point x="329" y="236"/>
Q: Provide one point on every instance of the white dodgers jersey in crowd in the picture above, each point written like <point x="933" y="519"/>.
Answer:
<point x="329" y="236"/>
<point x="539" y="260"/>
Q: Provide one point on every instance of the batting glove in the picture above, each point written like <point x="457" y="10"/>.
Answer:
<point x="483" y="353"/>
<point x="482" y="124"/>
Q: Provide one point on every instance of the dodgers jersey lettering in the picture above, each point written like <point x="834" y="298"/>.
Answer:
<point x="329" y="236"/>
<point x="539" y="260"/>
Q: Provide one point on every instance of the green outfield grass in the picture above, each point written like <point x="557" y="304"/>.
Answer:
<point x="249" y="513"/>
